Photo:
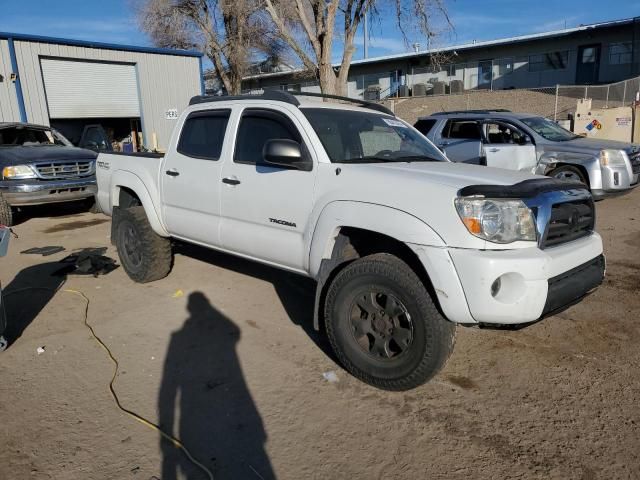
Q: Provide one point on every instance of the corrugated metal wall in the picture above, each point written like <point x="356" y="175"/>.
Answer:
<point x="9" y="111"/>
<point x="165" y="82"/>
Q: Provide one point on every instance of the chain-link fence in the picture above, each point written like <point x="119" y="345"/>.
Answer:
<point x="552" y="102"/>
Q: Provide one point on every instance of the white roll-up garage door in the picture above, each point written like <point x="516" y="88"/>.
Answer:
<point x="77" y="89"/>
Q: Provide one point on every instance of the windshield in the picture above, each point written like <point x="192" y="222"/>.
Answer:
<point x="548" y="129"/>
<point x="350" y="136"/>
<point x="28" y="136"/>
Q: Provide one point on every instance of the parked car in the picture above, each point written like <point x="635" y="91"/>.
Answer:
<point x="40" y="166"/>
<point x="5" y="233"/>
<point x="521" y="141"/>
<point x="91" y="136"/>
<point x="403" y="244"/>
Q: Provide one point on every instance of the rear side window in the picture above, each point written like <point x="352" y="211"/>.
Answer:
<point x="256" y="127"/>
<point x="463" y="129"/>
<point x="425" y="126"/>
<point x="203" y="134"/>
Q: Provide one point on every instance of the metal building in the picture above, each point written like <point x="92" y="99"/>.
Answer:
<point x="69" y="84"/>
<point x="597" y="53"/>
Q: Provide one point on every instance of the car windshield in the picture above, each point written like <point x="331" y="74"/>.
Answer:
<point x="548" y="129"/>
<point x="21" y="135"/>
<point x="351" y="136"/>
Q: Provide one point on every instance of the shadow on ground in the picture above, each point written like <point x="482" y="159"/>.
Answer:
<point x="297" y="293"/>
<point x="27" y="295"/>
<point x="204" y="387"/>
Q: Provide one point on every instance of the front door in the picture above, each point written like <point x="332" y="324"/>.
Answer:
<point x="266" y="209"/>
<point x="191" y="177"/>
<point x="588" y="66"/>
<point x="506" y="146"/>
<point x="485" y="75"/>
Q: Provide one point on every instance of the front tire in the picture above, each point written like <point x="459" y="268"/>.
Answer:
<point x="144" y="255"/>
<point x="383" y="325"/>
<point x="568" y="172"/>
<point x="6" y="213"/>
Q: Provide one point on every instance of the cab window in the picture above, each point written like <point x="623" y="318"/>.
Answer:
<point x="501" y="133"/>
<point x="257" y="126"/>
<point x="462" y="129"/>
<point x="203" y="134"/>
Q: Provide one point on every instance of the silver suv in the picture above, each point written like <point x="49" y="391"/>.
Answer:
<point x="521" y="141"/>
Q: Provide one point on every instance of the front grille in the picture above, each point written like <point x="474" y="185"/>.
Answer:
<point x="569" y="221"/>
<point x="634" y="158"/>
<point x="62" y="170"/>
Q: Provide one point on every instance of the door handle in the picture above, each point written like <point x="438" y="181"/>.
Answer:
<point x="172" y="172"/>
<point x="231" y="181"/>
<point x="494" y="150"/>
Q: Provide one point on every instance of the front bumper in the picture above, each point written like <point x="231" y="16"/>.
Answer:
<point x="612" y="181"/>
<point x="533" y="282"/>
<point x="36" y="192"/>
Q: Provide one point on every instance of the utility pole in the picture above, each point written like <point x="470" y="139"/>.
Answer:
<point x="366" y="35"/>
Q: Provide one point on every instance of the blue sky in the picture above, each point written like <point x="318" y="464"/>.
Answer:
<point x="113" y="20"/>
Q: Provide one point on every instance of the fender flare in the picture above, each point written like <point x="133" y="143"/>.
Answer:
<point x="124" y="179"/>
<point x="327" y="249"/>
<point x="389" y="221"/>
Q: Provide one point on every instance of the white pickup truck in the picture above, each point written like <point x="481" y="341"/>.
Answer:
<point x="404" y="244"/>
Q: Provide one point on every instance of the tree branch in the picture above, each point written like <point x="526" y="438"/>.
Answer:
<point x="287" y="36"/>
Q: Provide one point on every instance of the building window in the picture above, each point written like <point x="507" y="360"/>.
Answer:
<point x="291" y="87"/>
<point x="505" y="66"/>
<point x="451" y="70"/>
<point x="589" y="55"/>
<point x="549" y="61"/>
<point x="619" y="53"/>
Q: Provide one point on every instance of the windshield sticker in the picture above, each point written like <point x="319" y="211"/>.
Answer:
<point x="394" y="123"/>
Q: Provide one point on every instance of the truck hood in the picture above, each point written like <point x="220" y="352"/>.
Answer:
<point x="456" y="175"/>
<point x="424" y="190"/>
<point x="30" y="154"/>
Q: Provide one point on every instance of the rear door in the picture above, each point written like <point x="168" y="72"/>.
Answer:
<point x="266" y="209"/>
<point x="506" y="146"/>
<point x="461" y="141"/>
<point x="191" y="177"/>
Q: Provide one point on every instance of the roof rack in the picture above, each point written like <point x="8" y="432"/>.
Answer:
<point x="357" y="101"/>
<point x="274" y="95"/>
<point x="288" y="97"/>
<point x="492" y="110"/>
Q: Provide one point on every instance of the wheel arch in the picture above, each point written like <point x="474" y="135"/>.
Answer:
<point x="352" y="243"/>
<point x="583" y="170"/>
<point x="126" y="187"/>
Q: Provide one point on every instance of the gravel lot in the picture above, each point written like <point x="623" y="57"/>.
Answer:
<point x="222" y="352"/>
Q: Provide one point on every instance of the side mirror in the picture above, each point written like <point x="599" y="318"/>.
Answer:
<point x="285" y="153"/>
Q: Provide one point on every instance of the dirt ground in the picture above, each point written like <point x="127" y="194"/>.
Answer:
<point x="222" y="353"/>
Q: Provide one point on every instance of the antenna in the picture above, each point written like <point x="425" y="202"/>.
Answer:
<point x="366" y="34"/>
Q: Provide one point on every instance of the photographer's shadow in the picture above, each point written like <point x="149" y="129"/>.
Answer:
<point x="204" y="387"/>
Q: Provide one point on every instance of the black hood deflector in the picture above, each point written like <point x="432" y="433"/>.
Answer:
<point x="525" y="189"/>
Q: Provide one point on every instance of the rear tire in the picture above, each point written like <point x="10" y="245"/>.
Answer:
<point x="144" y="255"/>
<point x="6" y="213"/>
<point x="568" y="172"/>
<point x="384" y="326"/>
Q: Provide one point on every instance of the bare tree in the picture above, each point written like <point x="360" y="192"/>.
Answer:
<point x="231" y="33"/>
<point x="309" y="28"/>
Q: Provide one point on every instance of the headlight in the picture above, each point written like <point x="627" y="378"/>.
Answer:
<point x="613" y="158"/>
<point x="498" y="221"/>
<point x="17" y="172"/>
